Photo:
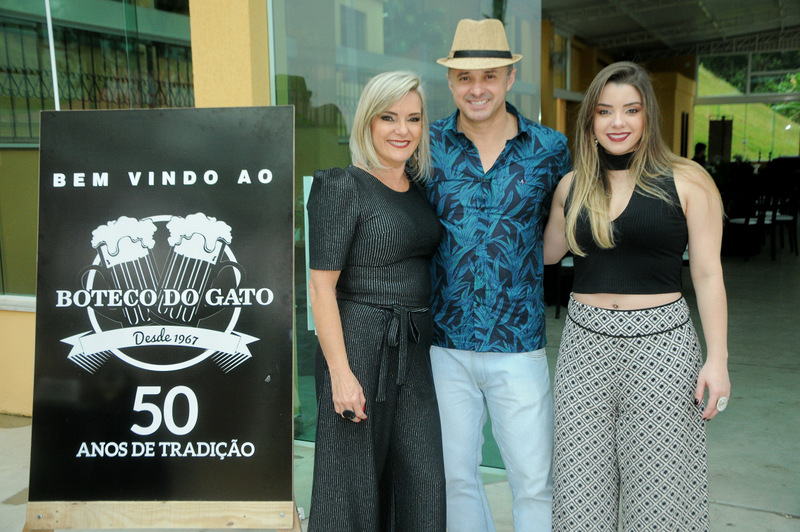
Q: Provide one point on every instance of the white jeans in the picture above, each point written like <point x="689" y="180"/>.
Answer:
<point x="516" y="389"/>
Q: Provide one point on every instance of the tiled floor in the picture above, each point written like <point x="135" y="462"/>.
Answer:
<point x="753" y="446"/>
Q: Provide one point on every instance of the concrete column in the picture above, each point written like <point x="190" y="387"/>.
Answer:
<point x="230" y="53"/>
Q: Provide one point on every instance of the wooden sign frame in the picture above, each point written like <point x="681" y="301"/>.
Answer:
<point x="170" y="514"/>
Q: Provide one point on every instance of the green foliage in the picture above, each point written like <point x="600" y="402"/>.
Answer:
<point x="771" y="73"/>
<point x="760" y="131"/>
<point x="783" y="85"/>
<point x="730" y="68"/>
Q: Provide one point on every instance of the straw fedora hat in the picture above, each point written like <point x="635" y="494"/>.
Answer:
<point x="479" y="44"/>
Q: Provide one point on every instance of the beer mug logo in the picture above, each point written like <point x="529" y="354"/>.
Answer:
<point x="194" y="261"/>
<point x="161" y="311"/>
<point x="124" y="249"/>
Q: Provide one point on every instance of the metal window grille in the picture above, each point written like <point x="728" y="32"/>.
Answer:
<point x="95" y="71"/>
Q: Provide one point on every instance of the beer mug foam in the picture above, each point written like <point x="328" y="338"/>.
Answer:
<point x="198" y="236"/>
<point x="124" y="240"/>
<point x="124" y="247"/>
<point x="197" y="243"/>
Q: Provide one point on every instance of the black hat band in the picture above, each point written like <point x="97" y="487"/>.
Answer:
<point x="482" y="53"/>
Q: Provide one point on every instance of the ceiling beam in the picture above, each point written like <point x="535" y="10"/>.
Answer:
<point x="710" y="19"/>
<point x="678" y="35"/>
<point x="611" y="9"/>
<point x="704" y="21"/>
<point x="652" y="31"/>
<point x="770" y="41"/>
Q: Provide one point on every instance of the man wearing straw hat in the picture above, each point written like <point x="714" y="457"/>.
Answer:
<point x="494" y="171"/>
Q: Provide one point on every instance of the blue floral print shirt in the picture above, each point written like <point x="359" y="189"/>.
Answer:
<point x="487" y="271"/>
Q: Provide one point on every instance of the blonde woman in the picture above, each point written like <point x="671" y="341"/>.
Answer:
<point x="630" y="380"/>
<point x="378" y="458"/>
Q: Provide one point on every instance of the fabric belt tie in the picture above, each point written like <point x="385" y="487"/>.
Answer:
<point x="400" y="330"/>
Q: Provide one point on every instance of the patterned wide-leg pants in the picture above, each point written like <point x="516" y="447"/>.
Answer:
<point x="627" y="431"/>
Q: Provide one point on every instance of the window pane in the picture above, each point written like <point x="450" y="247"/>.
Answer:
<point x="775" y="73"/>
<point x="778" y="83"/>
<point x="776" y="61"/>
<point x="95" y="70"/>
<point x="759" y="133"/>
<point x="558" y="60"/>
<point x="728" y="75"/>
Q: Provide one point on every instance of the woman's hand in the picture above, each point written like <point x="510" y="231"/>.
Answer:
<point x="703" y="208"/>
<point x="714" y="376"/>
<point x="346" y="390"/>
<point x="348" y="395"/>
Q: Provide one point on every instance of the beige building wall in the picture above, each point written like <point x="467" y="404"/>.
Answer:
<point x="16" y="359"/>
<point x="675" y="94"/>
<point x="230" y="53"/>
<point x="19" y="195"/>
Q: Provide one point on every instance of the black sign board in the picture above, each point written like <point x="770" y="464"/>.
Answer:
<point x="163" y="366"/>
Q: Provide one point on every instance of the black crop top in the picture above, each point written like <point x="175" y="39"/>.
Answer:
<point x="650" y="237"/>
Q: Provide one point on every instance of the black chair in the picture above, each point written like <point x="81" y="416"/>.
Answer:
<point x="784" y="187"/>
<point x="748" y="224"/>
<point x="784" y="215"/>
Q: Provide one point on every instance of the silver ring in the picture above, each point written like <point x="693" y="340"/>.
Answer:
<point x="722" y="403"/>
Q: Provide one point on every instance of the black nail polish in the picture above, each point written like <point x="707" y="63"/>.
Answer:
<point x="696" y="401"/>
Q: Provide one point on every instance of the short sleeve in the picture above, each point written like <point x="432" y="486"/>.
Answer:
<point x="332" y="217"/>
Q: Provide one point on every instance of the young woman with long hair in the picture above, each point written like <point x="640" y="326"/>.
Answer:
<point x="630" y="379"/>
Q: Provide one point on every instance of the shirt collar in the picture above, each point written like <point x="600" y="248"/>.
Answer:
<point x="523" y="126"/>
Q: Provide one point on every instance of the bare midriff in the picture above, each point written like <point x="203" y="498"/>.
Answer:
<point x="626" y="301"/>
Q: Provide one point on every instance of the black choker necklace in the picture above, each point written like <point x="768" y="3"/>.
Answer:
<point x="610" y="161"/>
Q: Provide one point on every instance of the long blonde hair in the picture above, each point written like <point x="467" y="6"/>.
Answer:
<point x="591" y="190"/>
